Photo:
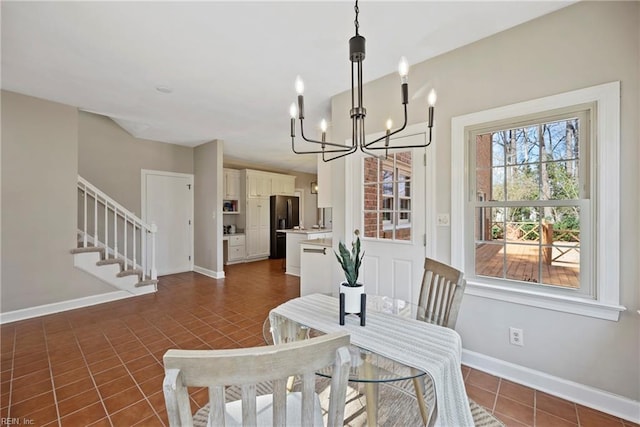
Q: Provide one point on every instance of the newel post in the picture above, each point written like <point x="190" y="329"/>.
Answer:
<point x="154" y="230"/>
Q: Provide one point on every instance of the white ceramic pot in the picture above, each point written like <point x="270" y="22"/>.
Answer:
<point x="352" y="297"/>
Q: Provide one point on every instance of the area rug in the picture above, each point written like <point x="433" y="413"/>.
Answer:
<point x="397" y="405"/>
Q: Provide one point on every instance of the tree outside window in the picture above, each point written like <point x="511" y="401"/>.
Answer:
<point x="527" y="207"/>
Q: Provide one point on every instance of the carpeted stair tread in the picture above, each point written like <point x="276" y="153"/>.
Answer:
<point x="130" y="272"/>
<point x="110" y="261"/>
<point x="146" y="283"/>
<point x="87" y="249"/>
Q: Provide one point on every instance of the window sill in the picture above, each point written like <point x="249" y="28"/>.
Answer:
<point x="579" y="306"/>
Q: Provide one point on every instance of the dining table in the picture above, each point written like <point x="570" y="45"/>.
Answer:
<point x="392" y="346"/>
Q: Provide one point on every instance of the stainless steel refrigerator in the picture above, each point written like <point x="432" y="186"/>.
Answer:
<point x="285" y="214"/>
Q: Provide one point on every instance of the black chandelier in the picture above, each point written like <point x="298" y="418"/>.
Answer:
<point x="330" y="150"/>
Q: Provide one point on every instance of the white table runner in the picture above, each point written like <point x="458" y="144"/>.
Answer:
<point x="433" y="349"/>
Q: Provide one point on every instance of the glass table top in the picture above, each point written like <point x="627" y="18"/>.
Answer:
<point x="366" y="366"/>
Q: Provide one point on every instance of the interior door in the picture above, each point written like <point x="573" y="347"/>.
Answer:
<point x="388" y="206"/>
<point x="168" y="202"/>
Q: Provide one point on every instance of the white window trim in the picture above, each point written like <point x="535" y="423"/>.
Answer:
<point x="607" y="245"/>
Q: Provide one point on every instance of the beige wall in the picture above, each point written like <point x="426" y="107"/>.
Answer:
<point x="112" y="160"/>
<point x="303" y="182"/>
<point x="208" y="202"/>
<point x="585" y="44"/>
<point x="39" y="170"/>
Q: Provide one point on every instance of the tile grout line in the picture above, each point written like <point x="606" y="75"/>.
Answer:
<point x="53" y="385"/>
<point x="13" y="361"/>
<point x="131" y="374"/>
<point x="86" y="363"/>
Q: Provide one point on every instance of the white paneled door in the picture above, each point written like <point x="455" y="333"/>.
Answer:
<point x="386" y="200"/>
<point x="167" y="200"/>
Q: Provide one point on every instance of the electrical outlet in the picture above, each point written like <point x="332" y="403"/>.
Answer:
<point x="443" y="220"/>
<point x="516" y="336"/>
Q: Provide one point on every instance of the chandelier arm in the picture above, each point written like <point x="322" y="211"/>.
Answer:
<point x="400" y="146"/>
<point x="353" y="150"/>
<point x="404" y="146"/>
<point x="369" y="153"/>
<point x="404" y="125"/>
<point x="315" y="151"/>
<point x="333" y="144"/>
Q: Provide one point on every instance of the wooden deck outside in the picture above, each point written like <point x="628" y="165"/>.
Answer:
<point x="522" y="263"/>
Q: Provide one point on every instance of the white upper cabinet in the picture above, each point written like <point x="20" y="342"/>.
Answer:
<point x="231" y="184"/>
<point x="258" y="184"/>
<point x="265" y="184"/>
<point x="283" y="184"/>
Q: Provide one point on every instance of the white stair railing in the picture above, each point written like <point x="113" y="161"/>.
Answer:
<point x="125" y="228"/>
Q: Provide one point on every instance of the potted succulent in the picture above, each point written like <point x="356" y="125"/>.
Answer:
<point x="350" y="261"/>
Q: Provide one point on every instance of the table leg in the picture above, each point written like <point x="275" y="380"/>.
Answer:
<point x="418" y="384"/>
<point x="371" y="394"/>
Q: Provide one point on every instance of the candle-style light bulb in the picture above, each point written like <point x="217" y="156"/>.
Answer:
<point x="431" y="99"/>
<point x="299" y="86"/>
<point x="323" y="128"/>
<point x="293" y="112"/>
<point x="403" y="70"/>
<point x="388" y="133"/>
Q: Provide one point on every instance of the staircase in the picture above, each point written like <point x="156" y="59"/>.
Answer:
<point x="114" y="245"/>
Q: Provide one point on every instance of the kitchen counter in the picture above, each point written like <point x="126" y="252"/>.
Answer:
<point x="294" y="238"/>
<point x="326" y="243"/>
<point x="305" y="231"/>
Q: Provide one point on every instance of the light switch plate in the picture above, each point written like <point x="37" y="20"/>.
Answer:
<point x="443" y="220"/>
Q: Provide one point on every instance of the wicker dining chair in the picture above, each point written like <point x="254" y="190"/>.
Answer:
<point x="438" y="303"/>
<point x="266" y="367"/>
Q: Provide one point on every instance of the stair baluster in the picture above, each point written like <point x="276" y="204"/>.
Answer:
<point x="95" y="220"/>
<point x="115" y="232"/>
<point x="131" y="226"/>
<point x="84" y="228"/>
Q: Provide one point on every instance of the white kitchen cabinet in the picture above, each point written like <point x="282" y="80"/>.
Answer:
<point x="257" y="228"/>
<point x="294" y="239"/>
<point x="316" y="267"/>
<point x="265" y="184"/>
<point x="258" y="184"/>
<point x="231" y="184"/>
<point x="293" y="252"/>
<point x="283" y="184"/>
<point x="236" y="248"/>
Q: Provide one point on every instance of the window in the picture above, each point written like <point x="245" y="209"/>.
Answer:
<point x="532" y="199"/>
<point x="531" y="223"/>
<point x="387" y="197"/>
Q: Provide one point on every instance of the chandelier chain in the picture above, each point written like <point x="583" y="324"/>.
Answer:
<point x="357" y="24"/>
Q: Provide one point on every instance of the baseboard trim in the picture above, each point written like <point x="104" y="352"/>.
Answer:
<point x="210" y="273"/>
<point x="592" y="397"/>
<point x="57" y="307"/>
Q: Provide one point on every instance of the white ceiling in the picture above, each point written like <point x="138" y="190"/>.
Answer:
<point x="231" y="65"/>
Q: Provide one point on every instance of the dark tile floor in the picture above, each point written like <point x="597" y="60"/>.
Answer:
<point x="102" y="365"/>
